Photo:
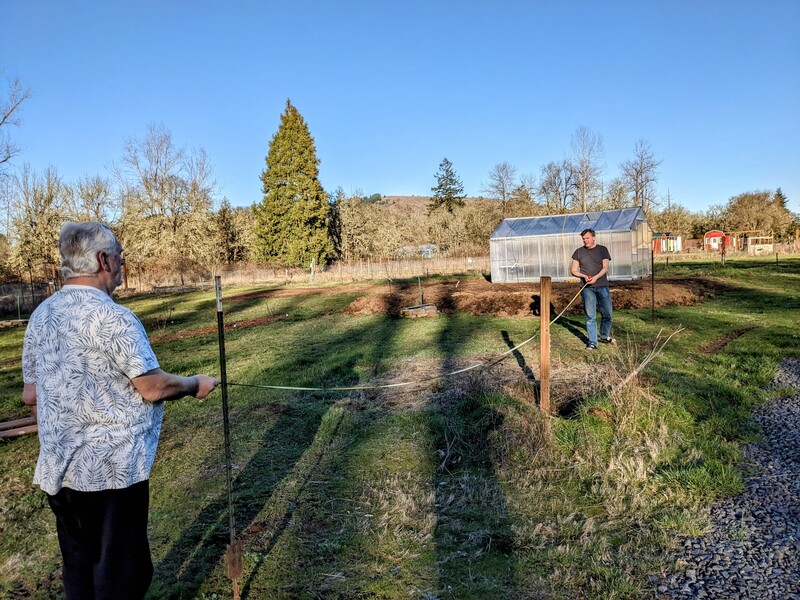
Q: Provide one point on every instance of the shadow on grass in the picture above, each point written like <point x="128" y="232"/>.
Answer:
<point x="574" y="328"/>
<point x="196" y="553"/>
<point x="324" y="530"/>
<point x="330" y="358"/>
<point x="266" y="548"/>
<point x="523" y="365"/>
<point x="474" y="538"/>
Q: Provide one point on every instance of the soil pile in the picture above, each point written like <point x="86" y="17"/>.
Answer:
<point x="479" y="297"/>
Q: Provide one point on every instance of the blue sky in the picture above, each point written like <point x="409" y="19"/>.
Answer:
<point x="390" y="88"/>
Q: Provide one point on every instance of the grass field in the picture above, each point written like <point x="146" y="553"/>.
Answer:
<point x="456" y="488"/>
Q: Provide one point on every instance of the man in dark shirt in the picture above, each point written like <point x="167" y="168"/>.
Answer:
<point x="590" y="264"/>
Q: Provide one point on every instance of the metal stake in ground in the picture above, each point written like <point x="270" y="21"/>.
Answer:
<point x="544" y="344"/>
<point x="234" y="551"/>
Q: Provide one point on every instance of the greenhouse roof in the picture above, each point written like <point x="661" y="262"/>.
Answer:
<point x="623" y="219"/>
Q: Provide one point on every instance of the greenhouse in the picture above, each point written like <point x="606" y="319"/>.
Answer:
<point x="525" y="249"/>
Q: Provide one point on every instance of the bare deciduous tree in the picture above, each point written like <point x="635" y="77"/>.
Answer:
<point x="557" y="186"/>
<point x="10" y="116"/>
<point x="614" y="195"/>
<point x="523" y="200"/>
<point x="38" y="211"/>
<point x="502" y="182"/>
<point x="92" y="199"/>
<point x="166" y="201"/>
<point x="154" y="163"/>
<point x="587" y="155"/>
<point x="674" y="218"/>
<point x="641" y="174"/>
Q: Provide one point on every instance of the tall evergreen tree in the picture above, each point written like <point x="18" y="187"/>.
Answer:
<point x="231" y="246"/>
<point x="449" y="191"/>
<point x="292" y="219"/>
<point x="779" y="198"/>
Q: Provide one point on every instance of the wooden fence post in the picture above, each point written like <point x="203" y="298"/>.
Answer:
<point x="653" y="287"/>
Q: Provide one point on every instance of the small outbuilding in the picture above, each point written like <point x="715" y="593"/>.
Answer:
<point x="666" y="243"/>
<point x="715" y="240"/>
<point x="528" y="248"/>
<point x="759" y="243"/>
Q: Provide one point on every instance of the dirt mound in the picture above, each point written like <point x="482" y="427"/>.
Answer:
<point x="479" y="297"/>
<point x="371" y="305"/>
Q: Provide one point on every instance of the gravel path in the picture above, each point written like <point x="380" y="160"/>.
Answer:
<point x="754" y="548"/>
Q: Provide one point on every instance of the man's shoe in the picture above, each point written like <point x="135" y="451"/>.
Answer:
<point x="608" y="340"/>
<point x="591" y="347"/>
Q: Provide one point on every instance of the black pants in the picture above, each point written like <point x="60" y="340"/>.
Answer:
<point x="103" y="539"/>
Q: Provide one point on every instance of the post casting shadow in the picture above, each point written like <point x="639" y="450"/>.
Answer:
<point x="526" y="370"/>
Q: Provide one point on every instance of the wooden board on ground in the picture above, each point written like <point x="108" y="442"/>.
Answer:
<point x="18" y="431"/>
<point x="17" y="423"/>
<point x="423" y="310"/>
<point x="13" y="323"/>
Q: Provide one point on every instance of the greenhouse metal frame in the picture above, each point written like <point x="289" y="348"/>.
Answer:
<point x="528" y="248"/>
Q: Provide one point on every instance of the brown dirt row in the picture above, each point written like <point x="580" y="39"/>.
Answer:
<point x="181" y="335"/>
<point x="715" y="345"/>
<point x="479" y="297"/>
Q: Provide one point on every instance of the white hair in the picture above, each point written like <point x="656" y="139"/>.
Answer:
<point x="79" y="244"/>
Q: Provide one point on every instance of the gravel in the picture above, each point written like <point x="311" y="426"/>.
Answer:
<point x="753" y="550"/>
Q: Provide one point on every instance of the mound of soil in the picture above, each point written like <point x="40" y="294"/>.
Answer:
<point x="479" y="297"/>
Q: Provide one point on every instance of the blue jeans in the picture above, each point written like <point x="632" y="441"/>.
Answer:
<point x="592" y="298"/>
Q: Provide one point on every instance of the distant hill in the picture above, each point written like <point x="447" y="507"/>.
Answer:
<point x="419" y="202"/>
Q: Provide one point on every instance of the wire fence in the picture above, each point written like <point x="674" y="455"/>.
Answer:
<point x="367" y="269"/>
<point x="17" y="300"/>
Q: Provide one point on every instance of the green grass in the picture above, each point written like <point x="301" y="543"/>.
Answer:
<point x="459" y="488"/>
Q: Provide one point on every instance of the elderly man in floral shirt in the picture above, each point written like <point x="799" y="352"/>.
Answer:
<point x="95" y="384"/>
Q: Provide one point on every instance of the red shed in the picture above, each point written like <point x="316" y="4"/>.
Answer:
<point x="714" y="239"/>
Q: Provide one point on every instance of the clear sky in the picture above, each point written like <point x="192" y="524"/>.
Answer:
<point x="390" y="88"/>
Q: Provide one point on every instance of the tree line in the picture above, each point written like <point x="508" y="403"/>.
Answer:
<point x="162" y="201"/>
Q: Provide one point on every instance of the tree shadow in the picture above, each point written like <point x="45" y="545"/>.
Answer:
<point x="324" y="517"/>
<point x="195" y="555"/>
<point x="474" y="536"/>
<point x="310" y="450"/>
<point x="266" y="548"/>
<point x="335" y="548"/>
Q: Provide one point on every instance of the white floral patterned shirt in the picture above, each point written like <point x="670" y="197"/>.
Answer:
<point x="96" y="432"/>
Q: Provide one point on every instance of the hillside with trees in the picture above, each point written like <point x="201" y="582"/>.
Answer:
<point x="163" y="202"/>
